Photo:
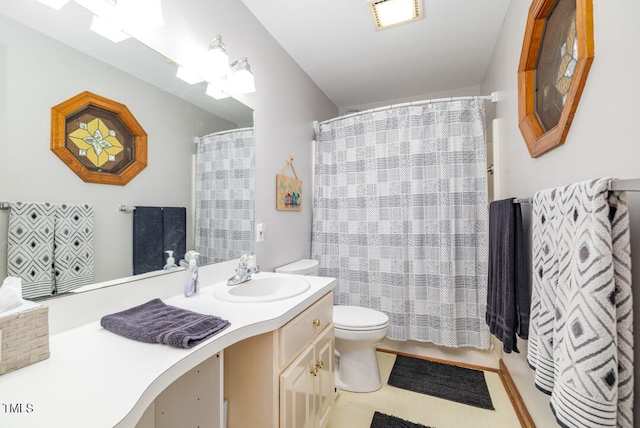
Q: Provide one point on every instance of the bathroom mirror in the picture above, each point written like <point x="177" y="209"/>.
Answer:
<point x="38" y="71"/>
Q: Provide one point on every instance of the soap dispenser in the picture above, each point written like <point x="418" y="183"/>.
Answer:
<point x="171" y="262"/>
<point x="192" y="287"/>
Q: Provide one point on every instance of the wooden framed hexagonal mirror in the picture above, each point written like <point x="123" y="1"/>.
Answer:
<point x="557" y="53"/>
<point x="99" y="139"/>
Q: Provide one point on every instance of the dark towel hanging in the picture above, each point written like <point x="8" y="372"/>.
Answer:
<point x="147" y="239"/>
<point x="509" y="289"/>
<point x="174" y="232"/>
<point x="155" y="230"/>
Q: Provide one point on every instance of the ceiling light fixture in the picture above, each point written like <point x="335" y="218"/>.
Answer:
<point x="241" y="77"/>
<point x="388" y="13"/>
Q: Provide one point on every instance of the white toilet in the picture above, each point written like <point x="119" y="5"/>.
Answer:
<point x="358" y="332"/>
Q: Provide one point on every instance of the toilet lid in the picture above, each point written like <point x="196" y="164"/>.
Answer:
<point x="300" y="267"/>
<point x="357" y="318"/>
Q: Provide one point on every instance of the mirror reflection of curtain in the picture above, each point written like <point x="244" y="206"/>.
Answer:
<point x="400" y="218"/>
<point x="225" y="187"/>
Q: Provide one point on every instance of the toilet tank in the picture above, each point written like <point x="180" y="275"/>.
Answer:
<point x="300" y="267"/>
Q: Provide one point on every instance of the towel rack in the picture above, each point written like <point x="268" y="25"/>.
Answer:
<point x="125" y="208"/>
<point x="626" y="185"/>
<point x="5" y="205"/>
<point x="523" y="201"/>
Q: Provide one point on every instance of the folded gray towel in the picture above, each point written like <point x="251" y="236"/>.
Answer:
<point x="157" y="322"/>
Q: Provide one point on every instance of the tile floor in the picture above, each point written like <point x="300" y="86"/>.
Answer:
<point x="355" y="410"/>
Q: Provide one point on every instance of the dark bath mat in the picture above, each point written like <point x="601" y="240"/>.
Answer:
<point x="459" y="384"/>
<point x="380" y="420"/>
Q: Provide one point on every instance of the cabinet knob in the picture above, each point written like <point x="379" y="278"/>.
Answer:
<point x="314" y="372"/>
<point x="320" y="365"/>
<point x="316" y="322"/>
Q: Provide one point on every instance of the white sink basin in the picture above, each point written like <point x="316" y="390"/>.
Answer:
<point x="263" y="289"/>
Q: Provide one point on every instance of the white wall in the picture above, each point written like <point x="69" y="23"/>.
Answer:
<point x="602" y="140"/>
<point x="39" y="73"/>
<point x="286" y="103"/>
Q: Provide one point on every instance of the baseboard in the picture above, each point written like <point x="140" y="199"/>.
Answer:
<point x="516" y="399"/>
<point x="439" y="360"/>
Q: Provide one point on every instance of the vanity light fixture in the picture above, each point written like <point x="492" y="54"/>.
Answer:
<point x="107" y="30"/>
<point x="388" y="13"/>
<point x="241" y="77"/>
<point x="55" y="4"/>
<point x="188" y="75"/>
<point x="215" y="61"/>
<point x="116" y="19"/>
<point x="215" y="91"/>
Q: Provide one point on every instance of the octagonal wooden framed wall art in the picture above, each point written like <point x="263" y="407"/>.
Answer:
<point x="99" y="139"/>
<point x="557" y="53"/>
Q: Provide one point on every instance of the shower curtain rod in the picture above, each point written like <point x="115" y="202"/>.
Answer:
<point x="197" y="139"/>
<point x="626" y="185"/>
<point x="493" y="98"/>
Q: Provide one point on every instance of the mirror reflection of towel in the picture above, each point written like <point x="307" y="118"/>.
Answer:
<point x="73" y="254"/>
<point x="155" y="230"/>
<point x="50" y="247"/>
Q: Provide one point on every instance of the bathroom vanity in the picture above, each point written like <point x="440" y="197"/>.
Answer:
<point x="275" y="357"/>
<point x="285" y="376"/>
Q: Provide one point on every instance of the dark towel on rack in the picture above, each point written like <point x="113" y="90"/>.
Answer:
<point x="147" y="240"/>
<point x="174" y="231"/>
<point x="509" y="290"/>
<point x="157" y="322"/>
<point x="155" y="230"/>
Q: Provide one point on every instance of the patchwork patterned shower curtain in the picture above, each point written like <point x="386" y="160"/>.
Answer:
<point x="400" y="218"/>
<point x="225" y="187"/>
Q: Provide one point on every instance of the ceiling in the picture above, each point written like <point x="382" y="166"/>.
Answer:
<point x="335" y="43"/>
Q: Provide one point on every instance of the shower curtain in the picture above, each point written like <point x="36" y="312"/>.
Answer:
<point x="400" y="218"/>
<point x="224" y="195"/>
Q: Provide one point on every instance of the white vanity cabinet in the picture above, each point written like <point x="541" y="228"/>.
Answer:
<point x="284" y="378"/>
<point x="307" y="385"/>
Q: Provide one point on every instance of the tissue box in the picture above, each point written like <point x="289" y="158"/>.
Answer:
<point x="24" y="338"/>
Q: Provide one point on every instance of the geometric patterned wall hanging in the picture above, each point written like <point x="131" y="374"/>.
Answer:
<point x="98" y="139"/>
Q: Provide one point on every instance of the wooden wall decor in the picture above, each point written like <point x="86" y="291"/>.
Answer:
<point x="557" y="53"/>
<point x="99" y="139"/>
<point x="288" y="189"/>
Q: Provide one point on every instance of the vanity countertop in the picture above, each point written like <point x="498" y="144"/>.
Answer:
<point x="95" y="378"/>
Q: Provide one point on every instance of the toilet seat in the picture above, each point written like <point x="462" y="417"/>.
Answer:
<point x="356" y="318"/>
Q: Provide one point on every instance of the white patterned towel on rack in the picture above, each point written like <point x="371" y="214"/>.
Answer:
<point x="50" y="247"/>
<point x="581" y="330"/>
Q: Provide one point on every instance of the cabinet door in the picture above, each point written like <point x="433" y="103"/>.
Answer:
<point x="324" y="346"/>
<point x="297" y="387"/>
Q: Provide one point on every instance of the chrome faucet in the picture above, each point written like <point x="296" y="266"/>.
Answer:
<point x="244" y="271"/>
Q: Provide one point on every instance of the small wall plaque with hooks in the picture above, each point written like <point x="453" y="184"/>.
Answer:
<point x="288" y="189"/>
